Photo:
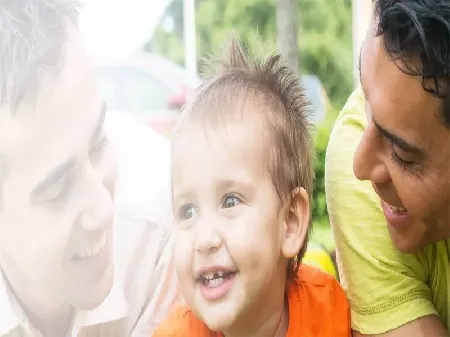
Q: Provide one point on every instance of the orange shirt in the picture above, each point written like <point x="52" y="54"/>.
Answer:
<point x="317" y="307"/>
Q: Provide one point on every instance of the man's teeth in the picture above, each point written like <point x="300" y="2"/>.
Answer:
<point x="398" y="209"/>
<point x="94" y="249"/>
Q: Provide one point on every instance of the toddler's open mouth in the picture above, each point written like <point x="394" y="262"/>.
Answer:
<point x="215" y="279"/>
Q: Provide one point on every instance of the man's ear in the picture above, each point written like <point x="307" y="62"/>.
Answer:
<point x="297" y="215"/>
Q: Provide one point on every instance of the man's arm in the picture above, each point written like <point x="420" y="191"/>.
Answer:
<point x="422" y="327"/>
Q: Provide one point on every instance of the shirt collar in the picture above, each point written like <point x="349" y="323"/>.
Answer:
<point x="113" y="307"/>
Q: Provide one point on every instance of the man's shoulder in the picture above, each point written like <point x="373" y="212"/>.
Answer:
<point x="438" y="263"/>
<point x="354" y="107"/>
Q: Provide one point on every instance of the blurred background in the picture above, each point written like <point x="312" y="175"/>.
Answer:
<point x="148" y="53"/>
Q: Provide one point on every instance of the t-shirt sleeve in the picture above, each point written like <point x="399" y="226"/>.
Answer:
<point x="175" y="325"/>
<point x="386" y="289"/>
<point x="182" y="322"/>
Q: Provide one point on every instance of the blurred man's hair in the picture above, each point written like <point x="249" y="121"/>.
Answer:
<point x="32" y="36"/>
<point x="274" y="93"/>
<point x="419" y="30"/>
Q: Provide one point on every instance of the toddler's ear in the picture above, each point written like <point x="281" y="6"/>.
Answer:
<point x="297" y="223"/>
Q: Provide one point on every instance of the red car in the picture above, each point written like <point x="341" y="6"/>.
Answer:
<point x="154" y="89"/>
<point x="147" y="86"/>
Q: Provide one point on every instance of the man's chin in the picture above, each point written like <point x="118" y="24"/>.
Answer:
<point x="92" y="302"/>
<point x="93" y="295"/>
<point x="406" y="243"/>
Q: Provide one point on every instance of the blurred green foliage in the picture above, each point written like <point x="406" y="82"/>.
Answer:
<point x="325" y="42"/>
<point x="325" y="35"/>
<point x="321" y="230"/>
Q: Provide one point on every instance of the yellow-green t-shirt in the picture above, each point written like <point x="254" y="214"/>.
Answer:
<point x="386" y="288"/>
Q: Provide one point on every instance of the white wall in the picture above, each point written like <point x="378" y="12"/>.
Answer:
<point x="116" y="28"/>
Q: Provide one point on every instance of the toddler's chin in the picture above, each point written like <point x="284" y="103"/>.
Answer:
<point x="219" y="321"/>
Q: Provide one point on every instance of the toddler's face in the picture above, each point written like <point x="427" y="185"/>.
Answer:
<point x="230" y="229"/>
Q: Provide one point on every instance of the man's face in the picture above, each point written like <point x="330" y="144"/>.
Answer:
<point x="405" y="150"/>
<point x="56" y="209"/>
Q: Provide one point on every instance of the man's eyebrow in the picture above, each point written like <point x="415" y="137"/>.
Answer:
<point x="399" y="142"/>
<point x="99" y="125"/>
<point x="53" y="176"/>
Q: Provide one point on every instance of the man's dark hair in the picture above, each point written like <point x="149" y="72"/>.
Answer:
<point x="32" y="35"/>
<point x="419" y="30"/>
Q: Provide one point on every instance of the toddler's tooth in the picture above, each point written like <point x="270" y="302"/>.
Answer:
<point x="215" y="283"/>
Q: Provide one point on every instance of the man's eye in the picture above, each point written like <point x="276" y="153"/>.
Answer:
<point x="186" y="212"/>
<point x="230" y="201"/>
<point x="57" y="192"/>
<point x="399" y="160"/>
<point x="97" y="149"/>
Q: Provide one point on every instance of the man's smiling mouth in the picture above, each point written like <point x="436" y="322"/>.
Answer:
<point x="92" y="250"/>
<point x="400" y="210"/>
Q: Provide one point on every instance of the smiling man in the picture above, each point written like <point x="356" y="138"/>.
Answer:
<point x="85" y="249"/>
<point x="388" y="175"/>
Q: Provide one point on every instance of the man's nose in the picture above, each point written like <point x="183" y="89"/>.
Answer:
<point x="367" y="162"/>
<point x="99" y="207"/>
<point x="208" y="238"/>
<point x="108" y="170"/>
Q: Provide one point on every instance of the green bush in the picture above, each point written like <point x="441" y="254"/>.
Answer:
<point x="324" y="34"/>
<point x="321" y="228"/>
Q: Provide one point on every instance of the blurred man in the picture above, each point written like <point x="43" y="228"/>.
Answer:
<point x="73" y="263"/>
<point x="393" y="230"/>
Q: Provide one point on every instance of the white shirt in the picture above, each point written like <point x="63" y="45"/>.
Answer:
<point x="145" y="284"/>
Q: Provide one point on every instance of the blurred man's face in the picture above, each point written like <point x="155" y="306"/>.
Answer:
<point x="57" y="181"/>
